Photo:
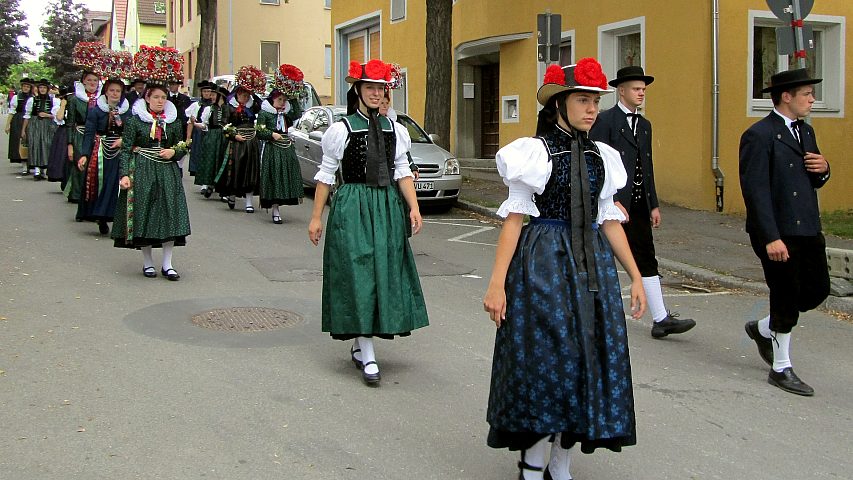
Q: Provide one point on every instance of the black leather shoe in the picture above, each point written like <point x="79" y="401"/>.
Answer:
<point x="765" y="345"/>
<point x="103" y="227"/>
<point x="371" y="379"/>
<point x="522" y="466"/>
<point x="231" y="203"/>
<point x="170" y="274"/>
<point x="149" y="272"/>
<point x="207" y="193"/>
<point x="672" y="325"/>
<point x="355" y="361"/>
<point x="789" y="381"/>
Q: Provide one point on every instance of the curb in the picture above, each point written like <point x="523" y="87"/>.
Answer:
<point x="839" y="304"/>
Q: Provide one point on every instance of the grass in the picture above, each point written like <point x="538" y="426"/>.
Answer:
<point x="838" y="223"/>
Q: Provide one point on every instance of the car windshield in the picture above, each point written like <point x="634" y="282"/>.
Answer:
<point x="415" y="131"/>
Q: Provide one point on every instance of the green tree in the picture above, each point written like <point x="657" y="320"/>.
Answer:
<point x="12" y="27"/>
<point x="34" y="70"/>
<point x="206" y="39"/>
<point x="64" y="27"/>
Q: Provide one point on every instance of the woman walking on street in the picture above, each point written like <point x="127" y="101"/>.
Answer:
<point x="39" y="127"/>
<point x="561" y="371"/>
<point x="238" y="176"/>
<point x="281" y="180"/>
<point x="211" y="150"/>
<point x="84" y="100"/>
<point x="102" y="141"/>
<point x="152" y="207"/>
<point x="59" y="145"/>
<point x="370" y="282"/>
<point x="15" y="121"/>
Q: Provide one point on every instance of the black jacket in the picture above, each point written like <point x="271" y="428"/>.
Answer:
<point x="779" y="193"/>
<point x="612" y="128"/>
<point x="182" y="102"/>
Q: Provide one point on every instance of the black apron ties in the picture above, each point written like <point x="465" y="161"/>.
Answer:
<point x="377" y="163"/>
<point x="583" y="247"/>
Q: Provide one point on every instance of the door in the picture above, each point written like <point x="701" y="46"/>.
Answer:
<point x="490" y="110"/>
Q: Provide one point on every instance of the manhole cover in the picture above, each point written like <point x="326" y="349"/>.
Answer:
<point x="246" y="319"/>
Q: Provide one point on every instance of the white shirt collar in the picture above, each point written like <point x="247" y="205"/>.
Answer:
<point x="140" y="109"/>
<point x="233" y="102"/>
<point x="787" y="120"/>
<point x="80" y="90"/>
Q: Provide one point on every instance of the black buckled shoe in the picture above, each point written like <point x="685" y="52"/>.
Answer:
<point x="355" y="361"/>
<point x="149" y="272"/>
<point x="103" y="227"/>
<point x="371" y="379"/>
<point x="672" y="325"/>
<point x="765" y="345"/>
<point x="170" y="274"/>
<point x="522" y="466"/>
<point x="789" y="381"/>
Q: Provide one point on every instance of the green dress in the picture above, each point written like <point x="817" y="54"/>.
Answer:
<point x="370" y="282"/>
<point x="213" y="145"/>
<point x="281" y="180"/>
<point x="76" y="112"/>
<point x="154" y="209"/>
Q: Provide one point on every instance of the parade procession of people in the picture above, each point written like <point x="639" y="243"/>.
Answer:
<point x="121" y="142"/>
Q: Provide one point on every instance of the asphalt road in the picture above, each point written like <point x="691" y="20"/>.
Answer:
<point x="105" y="377"/>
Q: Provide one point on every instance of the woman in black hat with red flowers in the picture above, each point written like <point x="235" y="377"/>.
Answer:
<point x="561" y="371"/>
<point x="781" y="168"/>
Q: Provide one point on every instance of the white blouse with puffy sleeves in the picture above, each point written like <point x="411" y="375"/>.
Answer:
<point x="335" y="141"/>
<point x="525" y="169"/>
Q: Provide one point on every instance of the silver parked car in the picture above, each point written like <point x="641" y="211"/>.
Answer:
<point x="439" y="181"/>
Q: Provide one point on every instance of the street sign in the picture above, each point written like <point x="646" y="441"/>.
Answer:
<point x="786" y="44"/>
<point x="548" y="37"/>
<point x="784" y="8"/>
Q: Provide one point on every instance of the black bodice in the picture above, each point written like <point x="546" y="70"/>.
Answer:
<point x="216" y="115"/>
<point x="354" y="161"/>
<point x="22" y="102"/>
<point x="41" y="104"/>
<point x="555" y="200"/>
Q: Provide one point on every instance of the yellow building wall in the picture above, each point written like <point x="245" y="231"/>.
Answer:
<point x="678" y="53"/>
<point x="151" y="35"/>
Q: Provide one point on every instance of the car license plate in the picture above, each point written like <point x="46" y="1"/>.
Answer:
<point x="424" y="186"/>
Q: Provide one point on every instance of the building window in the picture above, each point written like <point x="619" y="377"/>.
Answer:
<point x="567" y="51"/>
<point x="181" y="12"/>
<point x="269" y="57"/>
<point x="269" y="2"/>
<point x="509" y="109"/>
<point x="327" y="63"/>
<point x="159" y="7"/>
<point x="358" y="41"/>
<point x="824" y="60"/>
<point x="327" y="4"/>
<point x="189" y="10"/>
<point x="171" y="16"/>
<point x="621" y="44"/>
<point x="398" y="10"/>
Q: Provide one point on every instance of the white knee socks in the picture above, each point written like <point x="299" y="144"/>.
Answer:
<point x="654" y="298"/>
<point x="356" y="350"/>
<point x="367" y="354"/>
<point x="781" y="351"/>
<point x="249" y="198"/>
<point x="275" y="211"/>
<point x="167" y="255"/>
<point x="147" y="259"/>
<point x="535" y="457"/>
<point x="561" y="461"/>
<point x="781" y="344"/>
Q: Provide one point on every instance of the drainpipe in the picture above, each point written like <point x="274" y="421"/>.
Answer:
<point x="715" y="119"/>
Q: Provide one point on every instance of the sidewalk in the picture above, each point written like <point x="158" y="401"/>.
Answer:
<point x="704" y="246"/>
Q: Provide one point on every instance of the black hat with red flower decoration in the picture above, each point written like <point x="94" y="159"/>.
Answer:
<point x="585" y="76"/>
<point x="374" y="71"/>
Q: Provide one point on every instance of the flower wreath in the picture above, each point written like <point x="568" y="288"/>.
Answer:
<point x="164" y="64"/>
<point x="289" y="80"/>
<point x="251" y="78"/>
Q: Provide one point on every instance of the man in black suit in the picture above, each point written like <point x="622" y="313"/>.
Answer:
<point x="136" y="90"/>
<point x="780" y="170"/>
<point x="623" y="128"/>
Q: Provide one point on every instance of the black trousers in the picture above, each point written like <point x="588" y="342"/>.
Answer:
<point x="639" y="233"/>
<point x="798" y="285"/>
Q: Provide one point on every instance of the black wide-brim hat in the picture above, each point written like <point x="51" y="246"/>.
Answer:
<point x="789" y="79"/>
<point x="44" y="81"/>
<point x="585" y="76"/>
<point x="204" y="84"/>
<point x="221" y="91"/>
<point x="632" y="72"/>
<point x="28" y="81"/>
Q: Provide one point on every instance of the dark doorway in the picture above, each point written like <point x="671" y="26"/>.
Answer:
<point x="490" y="109"/>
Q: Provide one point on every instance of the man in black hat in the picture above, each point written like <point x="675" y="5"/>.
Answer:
<point x="780" y="170"/>
<point x="623" y="128"/>
<point x="136" y="90"/>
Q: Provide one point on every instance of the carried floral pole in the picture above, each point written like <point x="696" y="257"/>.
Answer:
<point x="290" y="81"/>
<point x="87" y="54"/>
<point x="251" y="78"/>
